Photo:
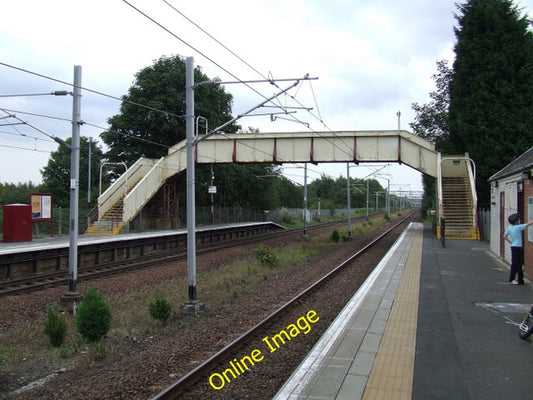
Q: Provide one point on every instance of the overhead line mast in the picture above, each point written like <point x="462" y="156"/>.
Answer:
<point x="193" y="305"/>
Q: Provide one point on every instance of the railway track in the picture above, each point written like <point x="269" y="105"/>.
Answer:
<point x="225" y="355"/>
<point x="57" y="278"/>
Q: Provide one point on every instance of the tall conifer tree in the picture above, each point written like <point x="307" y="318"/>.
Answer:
<point x="491" y="91"/>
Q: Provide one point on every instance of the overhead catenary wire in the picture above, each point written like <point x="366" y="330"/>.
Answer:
<point x="210" y="59"/>
<point x="25" y="136"/>
<point x="134" y="103"/>
<point x="24" y="148"/>
<point x="202" y="53"/>
<point x="143" y="105"/>
<point x="88" y="123"/>
<point x="90" y="90"/>
<point x="269" y="78"/>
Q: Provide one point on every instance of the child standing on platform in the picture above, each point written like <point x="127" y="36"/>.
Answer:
<point x="513" y="234"/>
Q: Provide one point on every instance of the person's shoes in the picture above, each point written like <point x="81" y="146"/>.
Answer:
<point x="515" y="282"/>
<point x="520" y="282"/>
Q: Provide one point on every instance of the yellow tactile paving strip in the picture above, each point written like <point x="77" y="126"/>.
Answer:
<point x="392" y="373"/>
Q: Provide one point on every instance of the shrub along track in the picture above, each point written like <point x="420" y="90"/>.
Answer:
<point x="140" y="367"/>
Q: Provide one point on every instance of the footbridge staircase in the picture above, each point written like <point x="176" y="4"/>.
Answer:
<point x="457" y="198"/>
<point x="131" y="192"/>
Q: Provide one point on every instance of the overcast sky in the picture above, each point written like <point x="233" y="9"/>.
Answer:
<point x="372" y="59"/>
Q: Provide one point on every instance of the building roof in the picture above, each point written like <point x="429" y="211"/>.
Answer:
<point x="523" y="162"/>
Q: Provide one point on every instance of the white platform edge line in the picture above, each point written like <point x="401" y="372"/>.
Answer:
<point x="310" y="365"/>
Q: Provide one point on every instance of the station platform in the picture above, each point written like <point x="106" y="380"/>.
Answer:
<point x="429" y="323"/>
<point x="63" y="241"/>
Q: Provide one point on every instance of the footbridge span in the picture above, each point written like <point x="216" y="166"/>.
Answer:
<point x="121" y="202"/>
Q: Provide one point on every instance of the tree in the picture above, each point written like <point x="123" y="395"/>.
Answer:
<point x="152" y="114"/>
<point x="431" y="119"/>
<point x="333" y="192"/>
<point x="93" y="319"/>
<point x="290" y="195"/>
<point x="19" y="193"/>
<point x="56" y="173"/>
<point x="431" y="123"/>
<point x="150" y="130"/>
<point x="491" y="90"/>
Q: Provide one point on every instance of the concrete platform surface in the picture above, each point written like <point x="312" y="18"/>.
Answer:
<point x="429" y="323"/>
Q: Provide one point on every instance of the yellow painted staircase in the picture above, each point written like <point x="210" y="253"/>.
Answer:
<point x="111" y="222"/>
<point x="457" y="206"/>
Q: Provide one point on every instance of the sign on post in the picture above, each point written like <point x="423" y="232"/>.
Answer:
<point x="41" y="206"/>
<point x="41" y="209"/>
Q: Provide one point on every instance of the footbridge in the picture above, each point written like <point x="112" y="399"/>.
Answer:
<point x="123" y="200"/>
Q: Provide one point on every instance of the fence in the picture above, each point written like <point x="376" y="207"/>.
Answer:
<point x="204" y="216"/>
<point x="484" y="224"/>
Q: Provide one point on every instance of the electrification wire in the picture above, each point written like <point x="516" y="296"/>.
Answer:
<point x="189" y="45"/>
<point x="197" y="50"/>
<point x="215" y="39"/>
<point x="91" y="90"/>
<point x="25" y="135"/>
<point x="128" y="101"/>
<point x="88" y="124"/>
<point x="125" y="100"/>
<point x="233" y="53"/>
<point x="24" y="148"/>
<point x="246" y="63"/>
<point x="94" y="125"/>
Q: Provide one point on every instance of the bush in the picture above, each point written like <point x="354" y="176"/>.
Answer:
<point x="159" y="308"/>
<point x="98" y="352"/>
<point x="55" y="327"/>
<point x="335" y="236"/>
<point x="93" y="319"/>
<point x="265" y="255"/>
<point x="286" y="218"/>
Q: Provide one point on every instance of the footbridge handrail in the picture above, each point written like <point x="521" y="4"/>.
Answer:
<point x="123" y="184"/>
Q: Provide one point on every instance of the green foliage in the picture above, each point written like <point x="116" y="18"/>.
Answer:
<point x="287" y="218"/>
<point x="138" y="131"/>
<point x="335" y="236"/>
<point x="55" y="327"/>
<point x="491" y="91"/>
<point x="333" y="192"/>
<point x="252" y="186"/>
<point x="429" y="199"/>
<point x="63" y="352"/>
<point x="159" y="308"/>
<point x="431" y="120"/>
<point x="56" y="173"/>
<point x="19" y="193"/>
<point x="266" y="255"/>
<point x="98" y="351"/>
<point x="93" y="319"/>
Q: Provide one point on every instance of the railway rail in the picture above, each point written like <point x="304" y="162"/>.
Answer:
<point x="175" y="390"/>
<point x="130" y="260"/>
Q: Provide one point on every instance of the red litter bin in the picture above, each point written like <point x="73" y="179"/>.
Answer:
<point x="17" y="223"/>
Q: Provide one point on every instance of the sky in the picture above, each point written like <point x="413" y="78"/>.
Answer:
<point x="371" y="60"/>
